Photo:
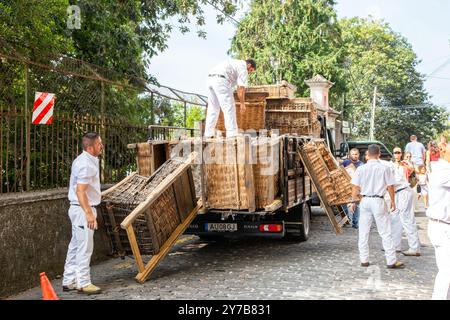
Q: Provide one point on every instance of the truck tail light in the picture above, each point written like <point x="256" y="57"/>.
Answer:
<point x="270" y="227"/>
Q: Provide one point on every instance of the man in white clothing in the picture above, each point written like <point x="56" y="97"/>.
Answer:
<point x="417" y="150"/>
<point x="371" y="182"/>
<point x="84" y="195"/>
<point x="439" y="223"/>
<point x="221" y="81"/>
<point x="403" y="217"/>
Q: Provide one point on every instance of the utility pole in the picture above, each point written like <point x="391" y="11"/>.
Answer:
<point x="372" y="118"/>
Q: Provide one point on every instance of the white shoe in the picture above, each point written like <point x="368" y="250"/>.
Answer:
<point x="411" y="253"/>
<point x="90" y="289"/>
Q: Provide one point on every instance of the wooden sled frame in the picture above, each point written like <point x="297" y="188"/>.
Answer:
<point x="330" y="210"/>
<point x="144" y="271"/>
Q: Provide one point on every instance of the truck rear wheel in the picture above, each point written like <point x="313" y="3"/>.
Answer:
<point x="298" y="230"/>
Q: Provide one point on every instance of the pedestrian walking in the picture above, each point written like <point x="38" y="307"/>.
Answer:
<point x="439" y="223"/>
<point x="221" y="81"/>
<point x="84" y="195"/>
<point x="403" y="218"/>
<point x="350" y="165"/>
<point x="422" y="182"/>
<point x="371" y="182"/>
<point x="432" y="154"/>
<point x="417" y="150"/>
<point x="442" y="145"/>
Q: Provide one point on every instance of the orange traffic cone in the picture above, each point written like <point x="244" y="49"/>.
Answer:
<point x="47" y="290"/>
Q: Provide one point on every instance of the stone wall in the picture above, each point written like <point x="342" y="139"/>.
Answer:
<point x="35" y="231"/>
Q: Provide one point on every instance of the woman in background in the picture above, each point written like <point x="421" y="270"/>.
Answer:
<point x="432" y="154"/>
<point x="422" y="181"/>
<point x="442" y="146"/>
<point x="408" y="164"/>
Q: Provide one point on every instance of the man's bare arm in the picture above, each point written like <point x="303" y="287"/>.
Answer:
<point x="391" y="190"/>
<point x="84" y="204"/>
<point x="356" y="191"/>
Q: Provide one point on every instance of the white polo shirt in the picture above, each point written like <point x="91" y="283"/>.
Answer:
<point x="373" y="178"/>
<point x="85" y="170"/>
<point x="235" y="71"/>
<point x="439" y="190"/>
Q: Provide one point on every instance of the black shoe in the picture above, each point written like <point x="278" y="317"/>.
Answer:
<point x="365" y="264"/>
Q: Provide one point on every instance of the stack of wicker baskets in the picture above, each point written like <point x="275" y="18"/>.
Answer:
<point x="285" y="90"/>
<point x="228" y="172"/>
<point x="293" y="116"/>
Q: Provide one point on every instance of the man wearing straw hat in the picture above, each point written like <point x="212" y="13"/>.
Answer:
<point x="84" y="195"/>
<point x="221" y="81"/>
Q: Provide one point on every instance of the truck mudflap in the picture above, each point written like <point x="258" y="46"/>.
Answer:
<point x="275" y="229"/>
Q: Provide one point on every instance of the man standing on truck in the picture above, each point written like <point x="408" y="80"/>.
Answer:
<point x="221" y="81"/>
<point x="371" y="181"/>
<point x="404" y="217"/>
<point x="350" y="165"/>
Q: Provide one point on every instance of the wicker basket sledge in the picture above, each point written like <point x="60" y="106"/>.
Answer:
<point x="334" y="181"/>
<point x="144" y="158"/>
<point x="254" y="115"/>
<point x="154" y="225"/>
<point x="234" y="182"/>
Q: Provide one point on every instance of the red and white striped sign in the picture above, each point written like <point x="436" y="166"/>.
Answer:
<point x="43" y="108"/>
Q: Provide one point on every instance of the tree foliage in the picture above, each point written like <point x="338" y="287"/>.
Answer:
<point x="295" y="39"/>
<point x="378" y="56"/>
<point x="292" y="40"/>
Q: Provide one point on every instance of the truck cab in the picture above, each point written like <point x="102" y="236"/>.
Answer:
<point x="362" y="146"/>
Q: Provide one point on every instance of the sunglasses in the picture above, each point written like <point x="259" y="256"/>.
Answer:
<point x="397" y="152"/>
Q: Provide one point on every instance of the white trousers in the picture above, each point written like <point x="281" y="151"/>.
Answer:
<point x="220" y="97"/>
<point x="81" y="246"/>
<point x="404" y="219"/>
<point x="439" y="234"/>
<point x="375" y="209"/>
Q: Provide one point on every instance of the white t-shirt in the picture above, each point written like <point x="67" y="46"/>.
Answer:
<point x="417" y="150"/>
<point x="85" y="170"/>
<point x="439" y="191"/>
<point x="373" y="178"/>
<point x="235" y="71"/>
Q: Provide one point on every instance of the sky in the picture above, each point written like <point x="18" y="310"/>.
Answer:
<point x="426" y="25"/>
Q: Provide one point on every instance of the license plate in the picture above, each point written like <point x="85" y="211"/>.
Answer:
<point x="221" y="227"/>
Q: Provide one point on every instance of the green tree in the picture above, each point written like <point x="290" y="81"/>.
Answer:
<point x="378" y="56"/>
<point x="292" y="40"/>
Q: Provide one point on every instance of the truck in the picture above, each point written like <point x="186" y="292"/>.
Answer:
<point x="288" y="217"/>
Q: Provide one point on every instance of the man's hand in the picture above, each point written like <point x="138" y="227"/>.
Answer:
<point x="352" y="207"/>
<point x="393" y="208"/>
<point x="91" y="221"/>
<point x="243" y="108"/>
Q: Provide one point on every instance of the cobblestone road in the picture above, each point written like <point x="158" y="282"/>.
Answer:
<point x="324" y="267"/>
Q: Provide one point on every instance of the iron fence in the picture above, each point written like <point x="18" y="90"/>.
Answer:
<point x="87" y="98"/>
